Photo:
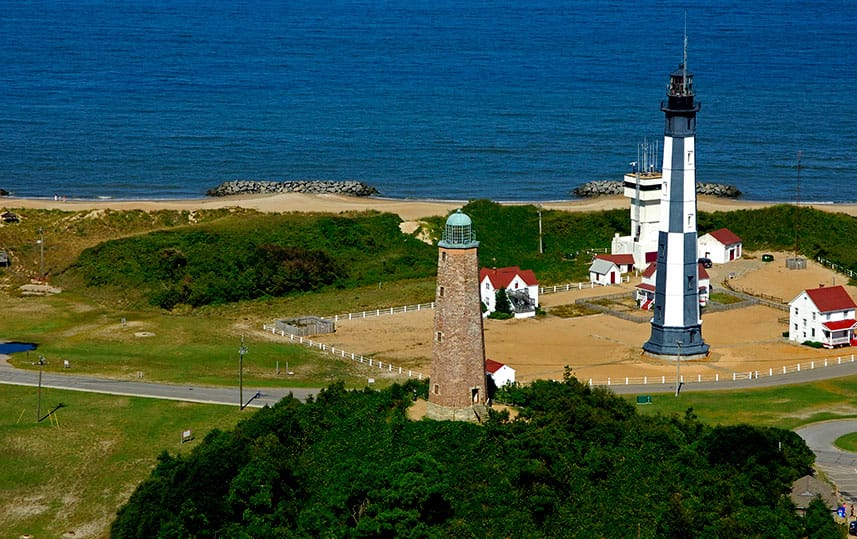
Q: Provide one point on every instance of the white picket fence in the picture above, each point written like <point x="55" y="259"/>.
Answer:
<point x="381" y="312"/>
<point x="735" y="376"/>
<point x="835" y="267"/>
<point x="388" y="367"/>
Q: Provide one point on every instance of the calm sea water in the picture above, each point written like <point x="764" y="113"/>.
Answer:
<point x="444" y="99"/>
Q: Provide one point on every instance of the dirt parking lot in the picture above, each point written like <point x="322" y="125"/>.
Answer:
<point x="600" y="346"/>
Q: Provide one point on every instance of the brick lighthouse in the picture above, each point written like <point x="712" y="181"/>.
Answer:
<point x="676" y="325"/>
<point x="458" y="388"/>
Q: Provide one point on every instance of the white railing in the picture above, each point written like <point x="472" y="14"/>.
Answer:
<point x="389" y="367"/>
<point x="380" y="312"/>
<point x="835" y="267"/>
<point x="733" y="377"/>
<point x="564" y="287"/>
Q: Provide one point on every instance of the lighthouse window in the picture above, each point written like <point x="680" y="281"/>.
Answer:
<point x="690" y="282"/>
<point x="443" y="255"/>
<point x="440" y="292"/>
<point x="436" y="389"/>
<point x="689" y="218"/>
<point x="438" y="336"/>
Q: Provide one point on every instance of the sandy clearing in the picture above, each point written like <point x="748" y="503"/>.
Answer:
<point x="602" y="346"/>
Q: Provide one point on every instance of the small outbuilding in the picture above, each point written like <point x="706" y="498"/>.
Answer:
<point x="608" y="269"/>
<point x="521" y="286"/>
<point x="720" y="246"/>
<point x="645" y="291"/>
<point x="825" y="315"/>
<point x="501" y="373"/>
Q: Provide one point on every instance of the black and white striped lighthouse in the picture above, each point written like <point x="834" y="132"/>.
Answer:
<point x="676" y="325"/>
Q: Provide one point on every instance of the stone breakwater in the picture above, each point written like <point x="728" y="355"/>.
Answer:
<point x="246" y="187"/>
<point x="611" y="187"/>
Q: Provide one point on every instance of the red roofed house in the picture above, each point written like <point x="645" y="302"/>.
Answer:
<point x="521" y="286"/>
<point x="824" y="315"/>
<point x="608" y="269"/>
<point x="646" y="289"/>
<point x="645" y="293"/>
<point x="721" y="246"/>
<point x="501" y="373"/>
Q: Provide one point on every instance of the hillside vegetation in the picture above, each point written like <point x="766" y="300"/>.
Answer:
<point x="193" y="259"/>
<point x="576" y="462"/>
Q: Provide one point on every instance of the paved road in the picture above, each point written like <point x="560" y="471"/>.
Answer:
<point x="840" y="466"/>
<point x="202" y="394"/>
<point x="806" y="375"/>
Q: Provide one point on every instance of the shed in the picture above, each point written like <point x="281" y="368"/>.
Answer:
<point x="501" y="373"/>
<point x="721" y="246"/>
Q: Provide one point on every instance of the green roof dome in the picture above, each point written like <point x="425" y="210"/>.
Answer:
<point x="458" y="232"/>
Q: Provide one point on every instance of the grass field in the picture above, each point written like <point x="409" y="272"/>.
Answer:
<point x="74" y="473"/>
<point x="785" y="407"/>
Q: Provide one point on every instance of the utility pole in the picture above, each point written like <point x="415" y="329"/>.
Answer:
<point x="241" y="352"/>
<point x="41" y="253"/>
<point x="678" y="369"/>
<point x="541" y="243"/>
<point x="41" y="364"/>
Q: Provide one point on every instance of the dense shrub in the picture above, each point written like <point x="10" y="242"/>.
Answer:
<point x="254" y="256"/>
<point x="577" y="461"/>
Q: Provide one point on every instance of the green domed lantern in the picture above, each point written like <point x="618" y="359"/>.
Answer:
<point x="458" y="232"/>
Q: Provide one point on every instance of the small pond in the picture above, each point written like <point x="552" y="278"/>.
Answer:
<point x="14" y="347"/>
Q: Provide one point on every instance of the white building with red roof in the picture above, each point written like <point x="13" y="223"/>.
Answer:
<point x="825" y="315"/>
<point x="608" y="269"/>
<point x="521" y="286"/>
<point x="645" y="291"/>
<point x="501" y="373"/>
<point x="720" y="246"/>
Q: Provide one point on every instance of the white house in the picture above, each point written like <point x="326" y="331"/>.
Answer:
<point x="521" y="286"/>
<point x="608" y="269"/>
<point x="645" y="291"/>
<point x="824" y="315"/>
<point x="721" y="246"/>
<point x="501" y="373"/>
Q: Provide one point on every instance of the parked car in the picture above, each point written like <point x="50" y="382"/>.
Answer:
<point x="852" y="527"/>
<point x="706" y="262"/>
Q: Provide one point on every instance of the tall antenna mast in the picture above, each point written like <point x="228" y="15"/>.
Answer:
<point x="797" y="205"/>
<point x="684" y="58"/>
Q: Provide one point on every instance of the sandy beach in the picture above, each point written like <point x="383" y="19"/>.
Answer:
<point x="409" y="210"/>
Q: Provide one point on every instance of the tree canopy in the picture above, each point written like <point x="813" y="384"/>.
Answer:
<point x="574" y="462"/>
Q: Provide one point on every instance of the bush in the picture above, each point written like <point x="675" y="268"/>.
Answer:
<point x="812" y="344"/>
<point x="497" y="315"/>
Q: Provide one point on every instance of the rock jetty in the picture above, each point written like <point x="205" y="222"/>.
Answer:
<point x="612" y="187"/>
<point x="245" y="187"/>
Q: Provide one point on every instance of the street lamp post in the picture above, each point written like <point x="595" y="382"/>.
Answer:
<point x="241" y="352"/>
<point x="678" y="369"/>
<point x="41" y="364"/>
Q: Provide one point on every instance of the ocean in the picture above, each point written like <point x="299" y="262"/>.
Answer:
<point x="445" y="99"/>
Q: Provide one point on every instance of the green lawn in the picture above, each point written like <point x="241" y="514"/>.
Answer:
<point x="847" y="442"/>
<point x="72" y="474"/>
<point x="786" y="407"/>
